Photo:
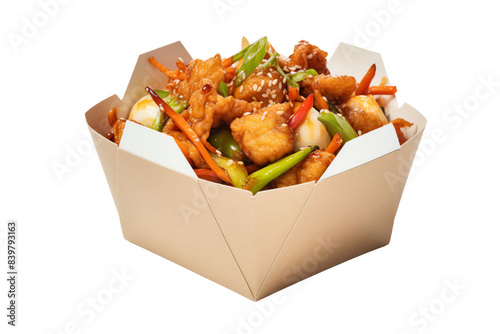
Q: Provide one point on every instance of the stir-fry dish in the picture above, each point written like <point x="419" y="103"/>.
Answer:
<point x="260" y="120"/>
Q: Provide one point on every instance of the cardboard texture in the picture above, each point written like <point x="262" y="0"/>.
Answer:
<point x="254" y="245"/>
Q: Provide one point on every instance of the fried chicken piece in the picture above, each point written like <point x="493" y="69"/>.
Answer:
<point x="310" y="169"/>
<point x="208" y="109"/>
<point x="363" y="113"/>
<point x="197" y="70"/>
<point x="336" y="89"/>
<point x="305" y="56"/>
<point x="264" y="136"/>
<point x="193" y="155"/>
<point x="265" y="86"/>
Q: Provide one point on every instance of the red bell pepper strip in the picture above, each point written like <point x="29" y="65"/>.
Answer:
<point x="304" y="108"/>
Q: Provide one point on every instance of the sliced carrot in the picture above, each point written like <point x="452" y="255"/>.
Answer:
<point x="334" y="144"/>
<point x="184" y="150"/>
<point x="180" y="65"/>
<point x="209" y="146"/>
<point x="184" y="126"/>
<point x="366" y="81"/>
<point x="177" y="74"/>
<point x="230" y="73"/>
<point x="207" y="174"/>
<point x="293" y="93"/>
<point x="318" y="97"/>
<point x="382" y="90"/>
<point x="112" y="116"/>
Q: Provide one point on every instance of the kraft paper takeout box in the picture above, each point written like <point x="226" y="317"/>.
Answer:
<point x="253" y="245"/>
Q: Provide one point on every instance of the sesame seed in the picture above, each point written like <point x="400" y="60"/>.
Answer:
<point x="262" y="82"/>
<point x="275" y="81"/>
<point x="309" y="56"/>
<point x="284" y="125"/>
<point x="281" y="85"/>
<point x="259" y="89"/>
<point x="284" y="92"/>
<point x="241" y="89"/>
<point x="291" y="104"/>
<point x="286" y="95"/>
<point x="247" y="113"/>
<point x="269" y="75"/>
<point x="218" y="152"/>
<point x="273" y="96"/>
<point x="293" y="68"/>
<point x="280" y="112"/>
<point x="254" y="98"/>
<point x="254" y="110"/>
<point x="271" y="102"/>
<point x="230" y="162"/>
<point x="359" y="132"/>
<point x="262" y="118"/>
<point x="284" y="80"/>
<point x="181" y="96"/>
<point x="265" y="113"/>
<point x="243" y="76"/>
<point x="273" y="91"/>
<point x="265" y="95"/>
<point x="268" y="91"/>
<point x="180" y="59"/>
<point x="293" y="72"/>
<point x="270" y="83"/>
<point x="259" y="74"/>
<point x="240" y="163"/>
<point x="254" y="87"/>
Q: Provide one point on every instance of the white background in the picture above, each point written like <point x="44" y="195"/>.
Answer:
<point x="446" y="229"/>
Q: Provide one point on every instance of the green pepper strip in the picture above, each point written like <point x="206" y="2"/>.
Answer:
<point x="259" y="179"/>
<point x="237" y="172"/>
<point x="223" y="89"/>
<point x="273" y="61"/>
<point x="224" y="141"/>
<point x="173" y="102"/>
<point x="299" y="76"/>
<point x="335" y="124"/>
<point x="253" y="56"/>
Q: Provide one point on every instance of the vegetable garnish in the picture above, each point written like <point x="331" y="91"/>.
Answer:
<point x="235" y="169"/>
<point x="207" y="174"/>
<point x="224" y="142"/>
<point x="112" y="116"/>
<point x="319" y="98"/>
<point x="334" y="144"/>
<point x="184" y="126"/>
<point x="382" y="90"/>
<point x="273" y="61"/>
<point x="293" y="93"/>
<point x="177" y="74"/>
<point x="296" y="118"/>
<point x="299" y="76"/>
<point x="259" y="179"/>
<point x="173" y="102"/>
<point x="365" y="82"/>
<point x="223" y="89"/>
<point x="253" y="56"/>
<point x="230" y="73"/>
<point x="335" y="124"/>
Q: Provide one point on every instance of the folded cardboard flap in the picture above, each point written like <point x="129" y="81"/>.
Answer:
<point x="363" y="149"/>
<point x="155" y="147"/>
<point x="255" y="230"/>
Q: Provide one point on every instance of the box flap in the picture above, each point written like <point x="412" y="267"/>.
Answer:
<point x="145" y="74"/>
<point x="97" y="120"/>
<point x="351" y="60"/>
<point x="156" y="147"/>
<point x="166" y="213"/>
<point x="363" y="149"/>
<point x="333" y="228"/>
<point x="256" y="230"/>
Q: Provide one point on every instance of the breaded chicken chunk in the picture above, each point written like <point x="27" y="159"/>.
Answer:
<point x="264" y="85"/>
<point x="336" y="89"/>
<point x="197" y="70"/>
<point x="363" y="113"/>
<point x="264" y="136"/>
<point x="310" y="169"/>
<point x="208" y="109"/>
<point x="305" y="56"/>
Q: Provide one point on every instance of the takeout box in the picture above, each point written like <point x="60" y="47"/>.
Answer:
<point x="253" y="245"/>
